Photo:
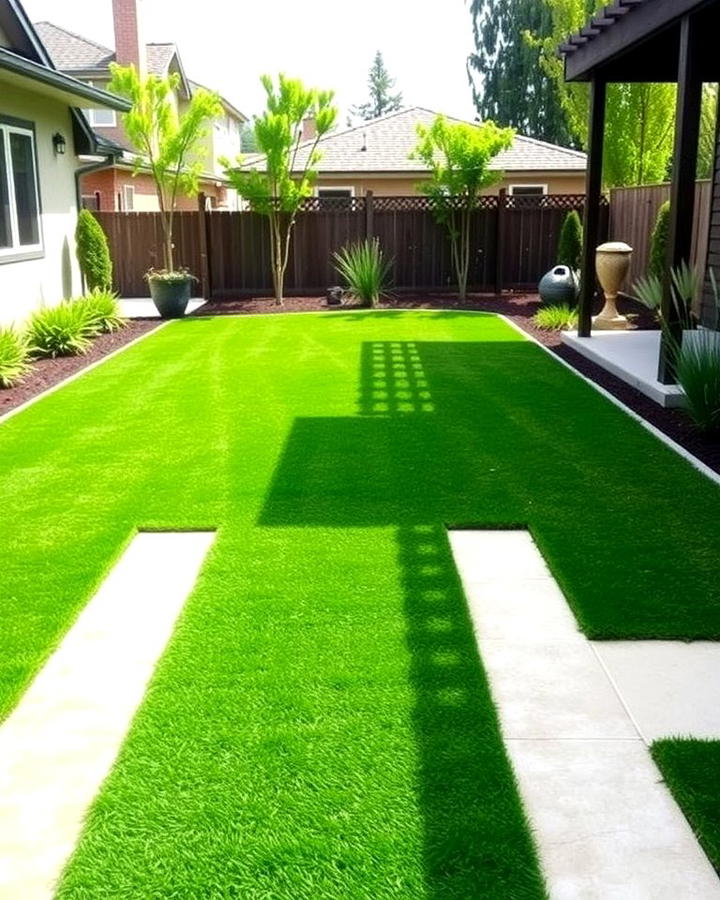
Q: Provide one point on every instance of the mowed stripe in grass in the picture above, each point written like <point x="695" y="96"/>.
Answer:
<point x="320" y="725"/>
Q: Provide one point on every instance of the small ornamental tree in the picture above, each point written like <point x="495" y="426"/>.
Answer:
<point x="570" y="243"/>
<point x="659" y="242"/>
<point x="458" y="156"/>
<point x="168" y="144"/>
<point x="92" y="252"/>
<point x="289" y="167"/>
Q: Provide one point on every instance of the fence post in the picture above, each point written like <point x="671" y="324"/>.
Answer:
<point x="369" y="211"/>
<point x="205" y="283"/>
<point x="500" y="240"/>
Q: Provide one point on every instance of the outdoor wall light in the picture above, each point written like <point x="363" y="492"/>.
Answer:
<point x="59" y="143"/>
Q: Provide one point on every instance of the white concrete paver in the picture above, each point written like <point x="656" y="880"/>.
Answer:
<point x="671" y="688"/>
<point x="59" y="743"/>
<point x="605" y="824"/>
<point x="144" y="308"/>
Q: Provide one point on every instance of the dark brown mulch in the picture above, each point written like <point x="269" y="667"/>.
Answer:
<point x="519" y="308"/>
<point x="47" y="372"/>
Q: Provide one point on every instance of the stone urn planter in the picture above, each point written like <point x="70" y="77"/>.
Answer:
<point x="612" y="261"/>
<point x="170" y="292"/>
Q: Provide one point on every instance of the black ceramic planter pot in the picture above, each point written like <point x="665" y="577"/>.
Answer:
<point x="171" y="297"/>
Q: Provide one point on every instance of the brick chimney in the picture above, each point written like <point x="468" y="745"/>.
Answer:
<point x="129" y="39"/>
<point x="309" y="130"/>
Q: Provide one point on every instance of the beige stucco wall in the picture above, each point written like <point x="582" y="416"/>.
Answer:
<point x="26" y="284"/>
<point x="394" y="186"/>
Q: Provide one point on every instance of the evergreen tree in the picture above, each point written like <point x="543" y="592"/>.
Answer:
<point x="380" y="84"/>
<point x="508" y="83"/>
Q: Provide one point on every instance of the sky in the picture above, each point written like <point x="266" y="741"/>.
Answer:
<point x="326" y="43"/>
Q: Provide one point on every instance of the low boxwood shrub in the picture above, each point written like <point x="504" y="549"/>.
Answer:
<point x="556" y="318"/>
<point x="14" y="356"/>
<point x="63" y="330"/>
<point x="93" y="252"/>
<point x="103" y="311"/>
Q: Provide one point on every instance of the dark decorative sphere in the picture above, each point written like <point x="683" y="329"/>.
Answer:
<point x="559" y="285"/>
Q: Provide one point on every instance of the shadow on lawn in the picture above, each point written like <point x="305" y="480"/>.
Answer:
<point x="476" y="842"/>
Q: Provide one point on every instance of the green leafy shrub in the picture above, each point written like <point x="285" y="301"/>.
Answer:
<point x="659" y="242"/>
<point x="92" y="252"/>
<point x="14" y="357"/>
<point x="365" y="270"/>
<point x="63" y="330"/>
<point x="556" y="318"/>
<point x="103" y="311"/>
<point x="569" y="252"/>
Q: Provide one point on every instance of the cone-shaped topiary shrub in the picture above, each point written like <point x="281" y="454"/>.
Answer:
<point x="92" y="252"/>
<point x="659" y="242"/>
<point x="569" y="252"/>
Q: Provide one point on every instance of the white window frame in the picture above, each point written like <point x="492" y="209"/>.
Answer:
<point x="91" y="116"/>
<point x="18" y="250"/>
<point x="543" y="189"/>
<point x="335" y="187"/>
<point x="128" y="190"/>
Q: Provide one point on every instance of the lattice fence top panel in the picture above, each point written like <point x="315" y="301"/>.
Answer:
<point x="333" y="204"/>
<point x="425" y="204"/>
<point x="548" y="201"/>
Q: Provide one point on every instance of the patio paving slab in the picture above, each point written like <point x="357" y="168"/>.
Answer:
<point x="605" y="824"/>
<point x="59" y="743"/>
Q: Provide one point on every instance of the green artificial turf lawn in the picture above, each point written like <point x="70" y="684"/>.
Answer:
<point x="320" y="725"/>
<point x="691" y="769"/>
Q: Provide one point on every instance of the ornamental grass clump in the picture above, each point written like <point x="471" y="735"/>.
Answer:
<point x="365" y="269"/>
<point x="103" y="311"/>
<point x="14" y="357"/>
<point x="63" y="330"/>
<point x="556" y="318"/>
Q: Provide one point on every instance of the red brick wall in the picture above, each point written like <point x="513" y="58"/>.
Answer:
<point x="129" y="43"/>
<point x="108" y="184"/>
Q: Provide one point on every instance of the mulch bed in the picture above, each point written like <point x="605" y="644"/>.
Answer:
<point x="519" y="308"/>
<point x="47" y="372"/>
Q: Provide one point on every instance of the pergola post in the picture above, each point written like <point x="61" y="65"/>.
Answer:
<point x="682" y="194"/>
<point x="593" y="194"/>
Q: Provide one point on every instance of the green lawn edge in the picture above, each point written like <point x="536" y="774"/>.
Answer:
<point x="691" y="768"/>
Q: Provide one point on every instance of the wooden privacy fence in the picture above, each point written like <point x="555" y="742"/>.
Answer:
<point x="514" y="241"/>
<point x="633" y="211"/>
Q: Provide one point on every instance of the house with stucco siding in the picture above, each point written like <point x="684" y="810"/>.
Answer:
<point x="43" y="139"/>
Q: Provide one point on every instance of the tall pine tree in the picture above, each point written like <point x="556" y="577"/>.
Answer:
<point x="380" y="85"/>
<point x="508" y="83"/>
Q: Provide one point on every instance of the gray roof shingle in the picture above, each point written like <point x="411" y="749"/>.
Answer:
<point x="72" y="53"/>
<point x="383" y="145"/>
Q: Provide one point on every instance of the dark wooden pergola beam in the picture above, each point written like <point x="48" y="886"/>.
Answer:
<point x="682" y="194"/>
<point x="593" y="193"/>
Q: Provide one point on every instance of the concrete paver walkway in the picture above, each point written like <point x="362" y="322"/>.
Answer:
<point x="575" y="716"/>
<point x="59" y="743"/>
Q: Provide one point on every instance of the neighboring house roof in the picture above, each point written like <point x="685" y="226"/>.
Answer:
<point x="384" y="145"/>
<point x="73" y="53"/>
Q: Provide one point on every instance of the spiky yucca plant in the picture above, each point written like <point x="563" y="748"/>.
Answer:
<point x="365" y="270"/>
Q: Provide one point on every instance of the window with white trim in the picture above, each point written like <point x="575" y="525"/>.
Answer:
<point x="19" y="199"/>
<point x="101" y="118"/>
<point x="527" y="190"/>
<point x="335" y="192"/>
<point x="128" y="193"/>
